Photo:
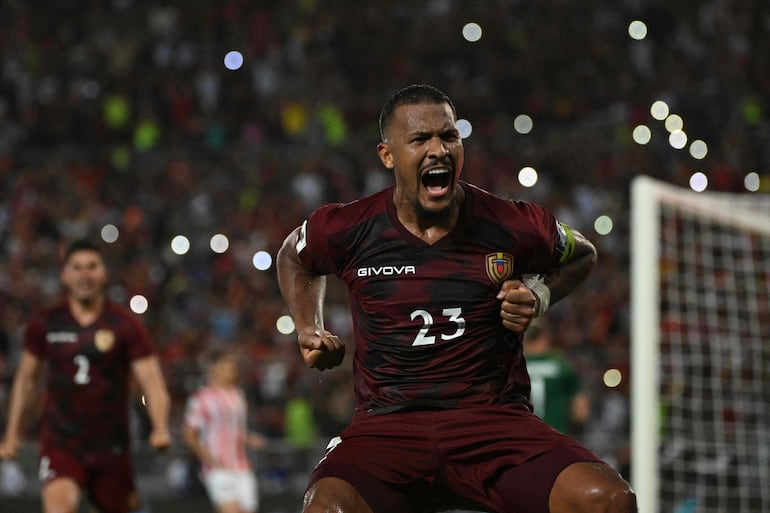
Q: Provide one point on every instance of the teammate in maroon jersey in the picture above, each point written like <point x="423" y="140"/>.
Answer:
<point x="91" y="347"/>
<point x="432" y="264"/>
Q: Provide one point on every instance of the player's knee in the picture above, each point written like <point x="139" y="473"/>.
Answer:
<point x="591" y="488"/>
<point x="333" y="495"/>
<point x="319" y="506"/>
<point x="315" y="508"/>
<point x="317" y="501"/>
<point x="618" y="498"/>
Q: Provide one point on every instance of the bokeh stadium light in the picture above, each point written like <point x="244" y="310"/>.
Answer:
<point x="603" y="225"/>
<point x="262" y="260"/>
<point x="637" y="30"/>
<point x="465" y="128"/>
<point x="110" y="233"/>
<point x="752" y="182"/>
<point x="285" y="324"/>
<point x="180" y="245"/>
<point x="219" y="243"/>
<point x="528" y="176"/>
<point x="139" y="304"/>
<point x="233" y="60"/>
<point x="523" y="124"/>
<point x="472" y="32"/>
<point x="612" y="378"/>
<point x="642" y="134"/>
<point x="699" y="182"/>
<point x="698" y="149"/>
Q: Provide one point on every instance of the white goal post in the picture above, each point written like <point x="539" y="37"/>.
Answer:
<point x="700" y="350"/>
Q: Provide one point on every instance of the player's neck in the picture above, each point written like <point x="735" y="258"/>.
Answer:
<point x="429" y="229"/>
<point x="429" y="234"/>
<point x="86" y="312"/>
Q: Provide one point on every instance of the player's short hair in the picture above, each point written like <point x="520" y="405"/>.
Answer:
<point x="81" y="245"/>
<point x="217" y="354"/>
<point x="411" y="95"/>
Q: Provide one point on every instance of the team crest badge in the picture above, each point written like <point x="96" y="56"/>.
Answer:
<point x="104" y="340"/>
<point x="499" y="267"/>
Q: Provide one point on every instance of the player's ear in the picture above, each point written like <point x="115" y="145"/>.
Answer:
<point x="385" y="156"/>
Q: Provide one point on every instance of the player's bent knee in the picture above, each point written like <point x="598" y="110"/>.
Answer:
<point x="331" y="494"/>
<point x="625" y="501"/>
<point x="592" y="488"/>
<point x="618" y="498"/>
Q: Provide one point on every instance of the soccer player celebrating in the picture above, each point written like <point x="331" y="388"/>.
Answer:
<point x="432" y="263"/>
<point x="92" y="348"/>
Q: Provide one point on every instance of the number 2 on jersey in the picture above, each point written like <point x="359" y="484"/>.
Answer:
<point x="423" y="339"/>
<point x="81" y="376"/>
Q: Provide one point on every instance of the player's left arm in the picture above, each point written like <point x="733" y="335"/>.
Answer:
<point x="148" y="374"/>
<point x="531" y="297"/>
<point x="578" y="257"/>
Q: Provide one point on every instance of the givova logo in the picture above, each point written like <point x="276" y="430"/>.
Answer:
<point x="387" y="270"/>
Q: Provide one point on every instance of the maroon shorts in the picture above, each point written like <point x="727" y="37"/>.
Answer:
<point x="107" y="477"/>
<point x="499" y="458"/>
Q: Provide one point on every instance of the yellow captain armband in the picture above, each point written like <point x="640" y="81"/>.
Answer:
<point x="565" y="244"/>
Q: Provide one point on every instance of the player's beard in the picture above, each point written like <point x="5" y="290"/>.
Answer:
<point x="89" y="295"/>
<point x="435" y="216"/>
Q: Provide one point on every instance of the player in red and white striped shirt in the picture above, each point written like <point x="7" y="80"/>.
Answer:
<point x="216" y="431"/>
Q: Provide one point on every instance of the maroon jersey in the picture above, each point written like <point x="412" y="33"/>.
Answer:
<point x="88" y="376"/>
<point x="428" y="332"/>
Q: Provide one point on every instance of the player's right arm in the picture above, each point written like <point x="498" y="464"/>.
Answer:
<point x="304" y="292"/>
<point x="195" y="421"/>
<point x="24" y="385"/>
<point x="193" y="440"/>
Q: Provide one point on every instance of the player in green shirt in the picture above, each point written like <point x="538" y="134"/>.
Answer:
<point x="557" y="394"/>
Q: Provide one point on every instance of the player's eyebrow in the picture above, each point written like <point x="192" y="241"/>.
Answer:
<point x="428" y="133"/>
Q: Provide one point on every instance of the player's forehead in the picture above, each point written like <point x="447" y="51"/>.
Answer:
<point x="226" y="360"/>
<point x="423" y="117"/>
<point x="84" y="258"/>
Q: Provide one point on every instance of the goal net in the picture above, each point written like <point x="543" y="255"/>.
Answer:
<point x="700" y="310"/>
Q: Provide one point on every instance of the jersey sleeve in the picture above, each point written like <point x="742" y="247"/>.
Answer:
<point x="35" y="336"/>
<point x="547" y="248"/>
<point x="314" y="247"/>
<point x="194" y="417"/>
<point x="245" y="407"/>
<point x="139" y="338"/>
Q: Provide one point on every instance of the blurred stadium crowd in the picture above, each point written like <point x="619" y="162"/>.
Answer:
<point x="122" y="112"/>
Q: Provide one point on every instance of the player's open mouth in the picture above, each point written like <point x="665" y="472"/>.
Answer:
<point x="436" y="181"/>
<point x="85" y="287"/>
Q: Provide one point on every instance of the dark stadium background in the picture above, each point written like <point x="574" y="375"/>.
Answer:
<point x="122" y="114"/>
